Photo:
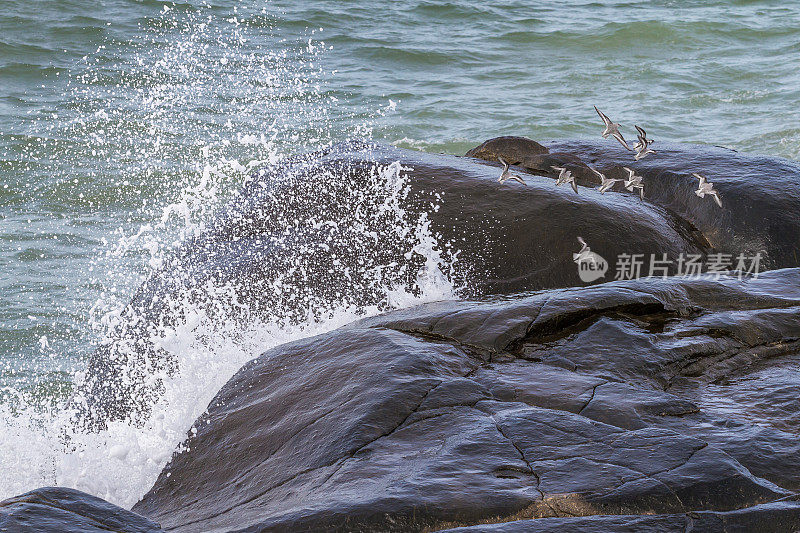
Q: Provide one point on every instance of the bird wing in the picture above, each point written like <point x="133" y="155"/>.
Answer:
<point x="603" y="116"/>
<point x="717" y="199"/>
<point x="618" y="136"/>
<point x="574" y="186"/>
<point x="642" y="133"/>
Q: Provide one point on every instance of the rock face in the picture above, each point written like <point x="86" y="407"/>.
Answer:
<point x="641" y="405"/>
<point x="760" y="194"/>
<point x="649" y="405"/>
<point x="778" y="516"/>
<point x="57" y="509"/>
<point x="299" y="217"/>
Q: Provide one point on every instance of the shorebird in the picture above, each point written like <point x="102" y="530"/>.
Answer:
<point x="585" y="254"/>
<point x="565" y="176"/>
<point x="506" y="175"/>
<point x="705" y="187"/>
<point x="634" y="182"/>
<point x="562" y="173"/>
<point x="642" y="152"/>
<point x="605" y="183"/>
<point x="582" y="255"/>
<point x="612" y="128"/>
<point x="642" y="141"/>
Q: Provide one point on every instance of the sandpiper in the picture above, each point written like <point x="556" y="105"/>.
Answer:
<point x="705" y="187"/>
<point x="612" y="128"/>
<point x="605" y="183"/>
<point x="506" y="175"/>
<point x="642" y="152"/>
<point x="642" y="141"/>
<point x="585" y="254"/>
<point x="565" y="176"/>
<point x="634" y="182"/>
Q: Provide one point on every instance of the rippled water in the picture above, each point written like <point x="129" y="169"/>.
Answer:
<point x="111" y="113"/>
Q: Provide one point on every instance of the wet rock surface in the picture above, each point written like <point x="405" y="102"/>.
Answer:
<point x="778" y="516"/>
<point x="636" y="405"/>
<point x="760" y="194"/>
<point x="516" y="238"/>
<point x="58" y="509"/>
<point x="653" y="404"/>
<point x="510" y="238"/>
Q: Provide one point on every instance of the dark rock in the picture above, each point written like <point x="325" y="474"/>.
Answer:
<point x="511" y="238"/>
<point x="513" y="149"/>
<point x="778" y="517"/>
<point x="294" y="225"/>
<point x="637" y="405"/>
<point x="62" y="510"/>
<point x="760" y="194"/>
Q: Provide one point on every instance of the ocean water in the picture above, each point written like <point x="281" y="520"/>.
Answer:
<point x="124" y="124"/>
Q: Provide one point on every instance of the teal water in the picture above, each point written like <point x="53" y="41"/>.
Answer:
<point x="112" y="114"/>
<point x="102" y="110"/>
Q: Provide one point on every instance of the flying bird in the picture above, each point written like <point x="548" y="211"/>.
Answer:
<point x="612" y="129"/>
<point x="506" y="175"/>
<point x="642" y="152"/>
<point x="565" y="176"/>
<point x="605" y="183"/>
<point x="585" y="254"/>
<point x="706" y="188"/>
<point x="634" y="182"/>
<point x="642" y="141"/>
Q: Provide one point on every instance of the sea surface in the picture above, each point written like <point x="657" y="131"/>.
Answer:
<point x="124" y="123"/>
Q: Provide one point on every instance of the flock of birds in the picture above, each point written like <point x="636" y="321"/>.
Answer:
<point x="632" y="182"/>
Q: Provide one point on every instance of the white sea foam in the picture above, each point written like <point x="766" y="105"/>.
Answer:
<point x="121" y="462"/>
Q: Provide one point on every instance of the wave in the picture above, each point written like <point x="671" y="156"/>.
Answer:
<point x="180" y="129"/>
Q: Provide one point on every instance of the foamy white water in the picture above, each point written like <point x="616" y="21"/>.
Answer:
<point x="121" y="462"/>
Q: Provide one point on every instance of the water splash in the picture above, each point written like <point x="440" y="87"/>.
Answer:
<point x="181" y="128"/>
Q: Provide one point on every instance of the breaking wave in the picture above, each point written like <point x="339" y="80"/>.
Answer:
<point x="208" y="115"/>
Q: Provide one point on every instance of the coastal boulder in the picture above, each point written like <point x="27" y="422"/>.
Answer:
<point x="643" y="402"/>
<point x="760" y="194"/>
<point x="63" y="510"/>
<point x="334" y="228"/>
